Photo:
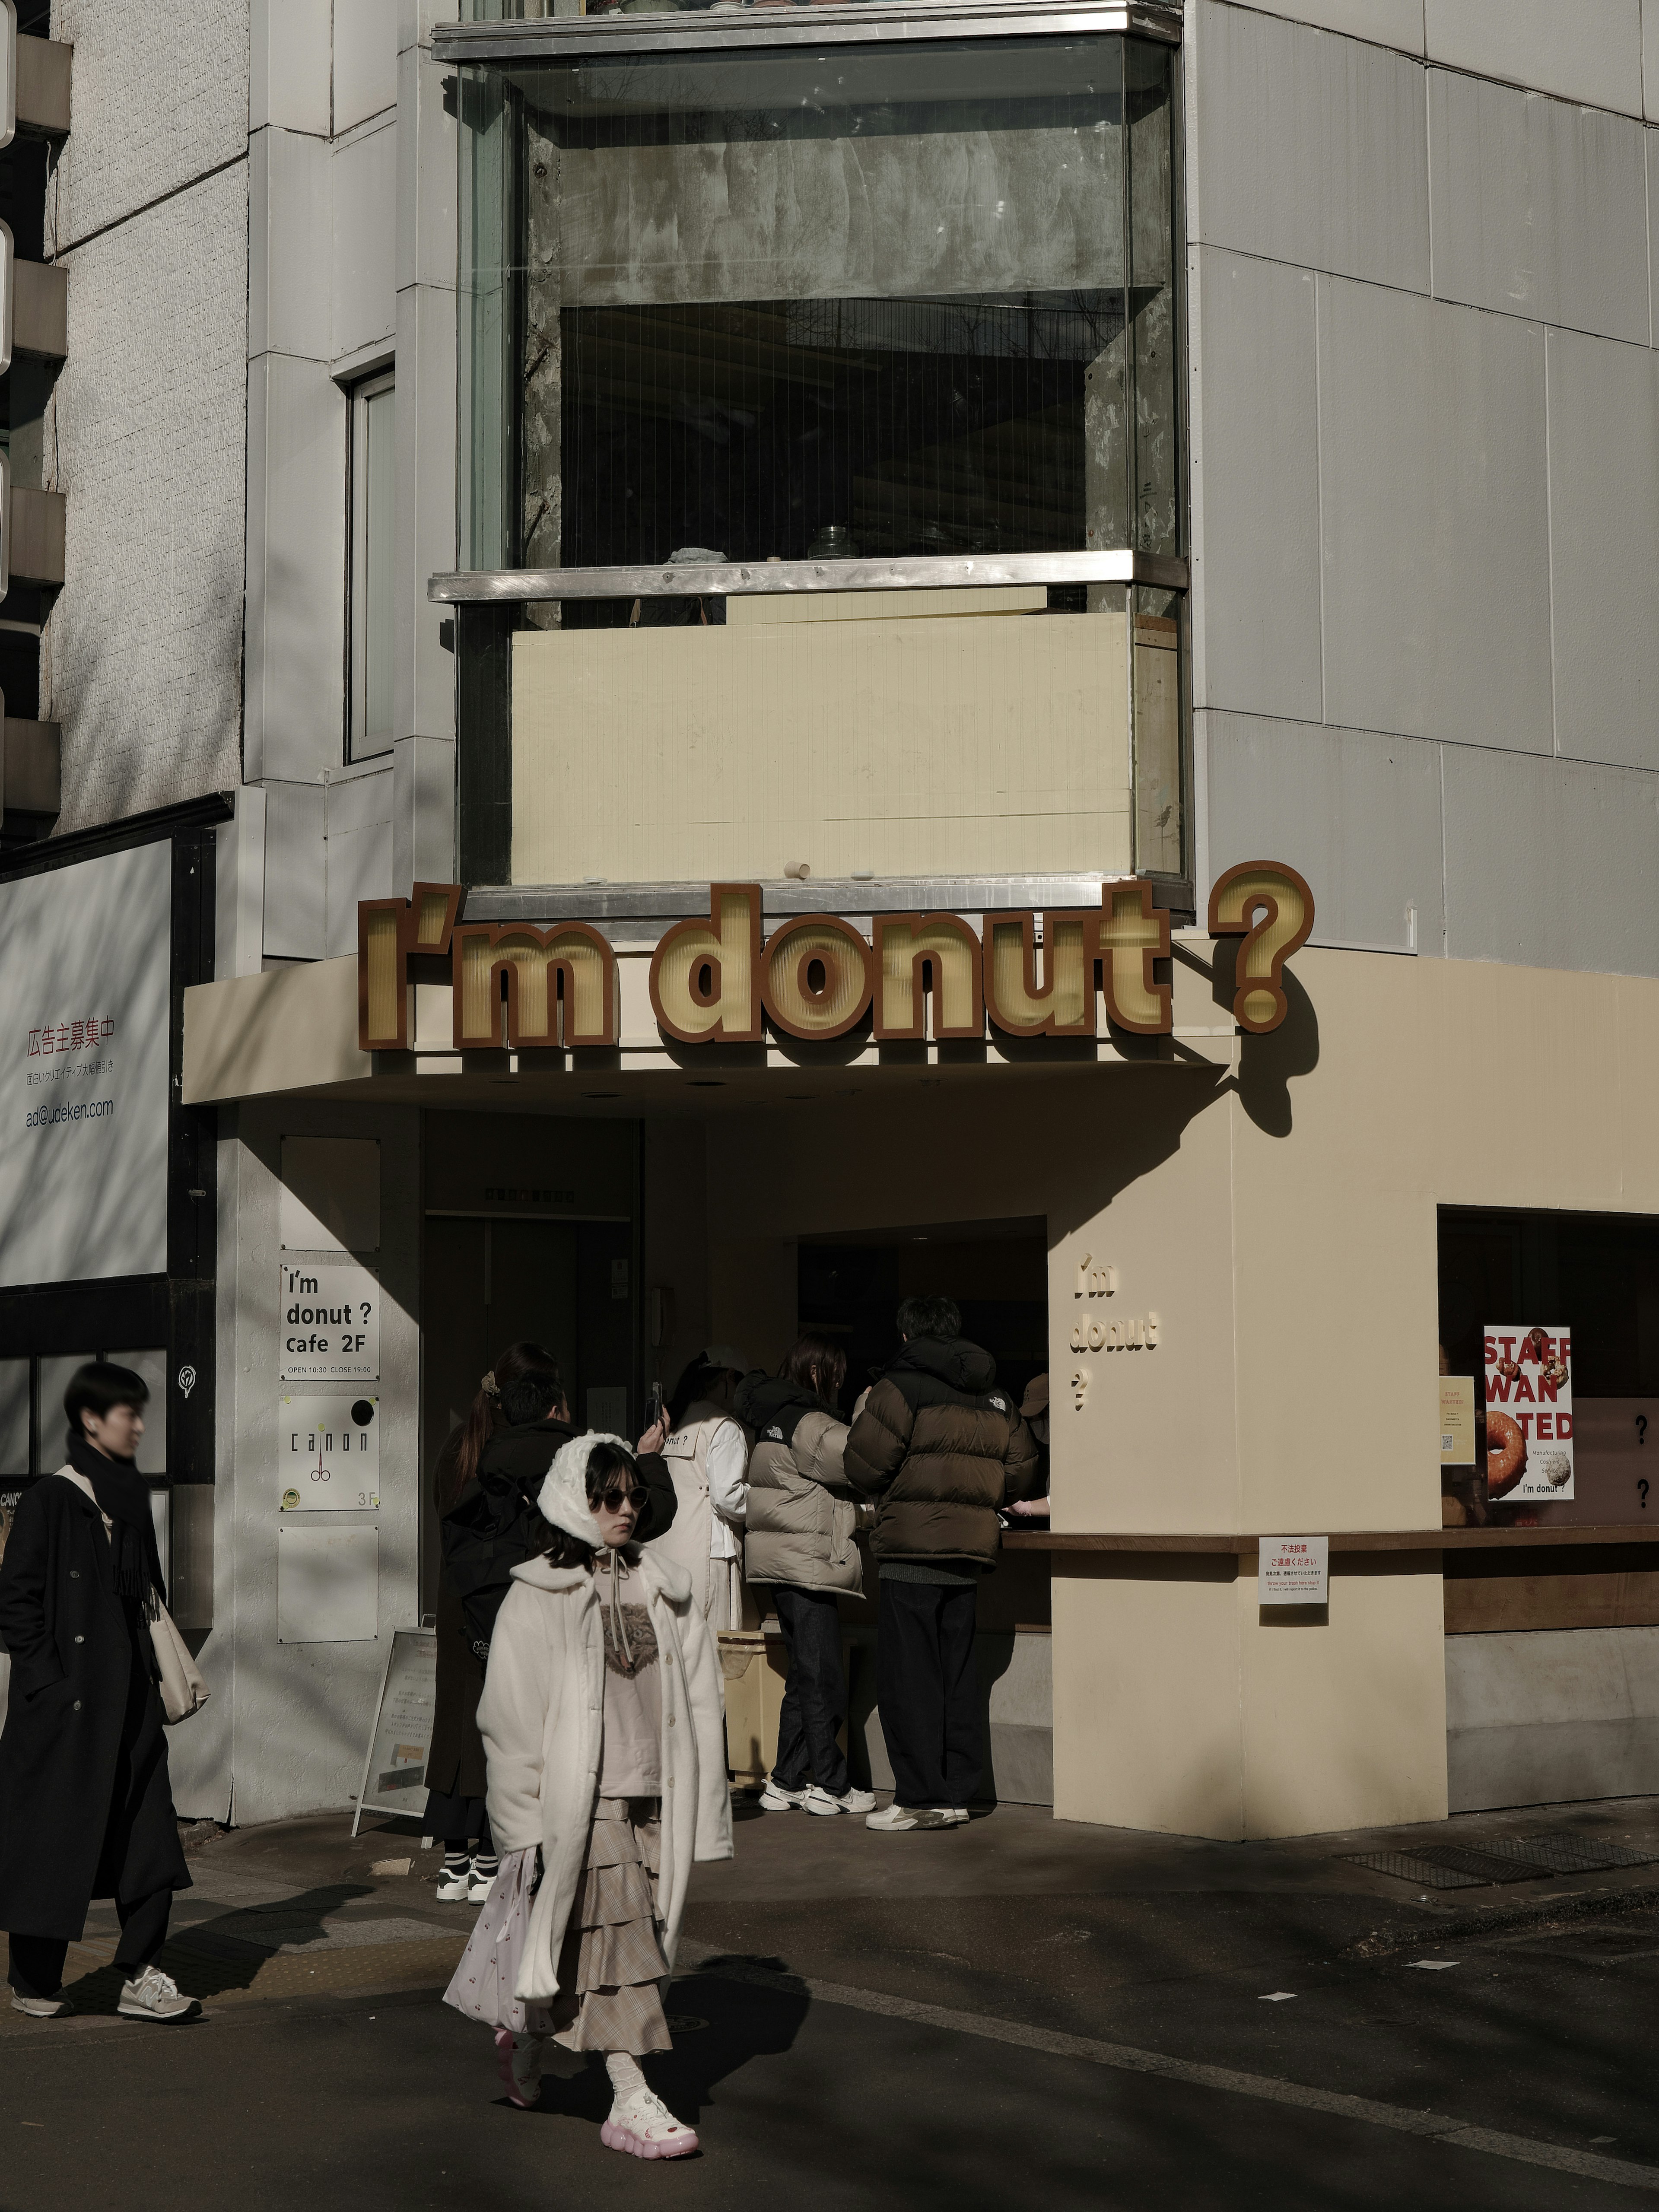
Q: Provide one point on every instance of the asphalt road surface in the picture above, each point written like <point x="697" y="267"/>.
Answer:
<point x="965" y="2052"/>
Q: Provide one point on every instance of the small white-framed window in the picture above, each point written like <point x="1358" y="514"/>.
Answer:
<point x="371" y="606"/>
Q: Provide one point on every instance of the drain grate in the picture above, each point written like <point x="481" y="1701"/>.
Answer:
<point x="1559" y="1851"/>
<point x="1524" y="1859"/>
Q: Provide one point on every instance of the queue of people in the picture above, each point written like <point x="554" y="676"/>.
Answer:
<point x="578" y="1764"/>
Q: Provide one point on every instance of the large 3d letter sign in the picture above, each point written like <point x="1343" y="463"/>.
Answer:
<point x="722" y="979"/>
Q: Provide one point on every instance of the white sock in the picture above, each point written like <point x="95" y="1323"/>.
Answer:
<point x="624" y="2071"/>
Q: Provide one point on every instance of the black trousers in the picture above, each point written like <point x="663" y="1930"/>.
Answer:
<point x="37" y="1962"/>
<point x="454" y="1821"/>
<point x="814" y="1707"/>
<point x="927" y="1692"/>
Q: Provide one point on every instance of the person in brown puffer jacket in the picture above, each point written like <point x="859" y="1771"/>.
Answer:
<point x="941" y="1450"/>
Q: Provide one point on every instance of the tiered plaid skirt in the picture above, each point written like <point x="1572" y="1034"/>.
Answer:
<point x="611" y="1961"/>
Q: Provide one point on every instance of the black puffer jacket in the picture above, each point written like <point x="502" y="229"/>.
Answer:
<point x="942" y="1449"/>
<point x="492" y="1528"/>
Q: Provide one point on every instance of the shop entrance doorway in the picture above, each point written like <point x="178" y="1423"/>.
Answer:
<point x="996" y="1271"/>
<point x="491" y="1282"/>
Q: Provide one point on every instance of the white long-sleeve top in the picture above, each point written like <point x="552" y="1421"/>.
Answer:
<point x="728" y="1493"/>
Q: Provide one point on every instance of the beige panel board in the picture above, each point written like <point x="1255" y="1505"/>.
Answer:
<point x="296" y="563"/>
<point x="365" y="60"/>
<point x="911" y="747"/>
<point x="1604" y="547"/>
<point x="1367" y="1684"/>
<point x="1146" y="1696"/>
<point x="1309" y="148"/>
<point x="1539" y="208"/>
<point x="1255" y="489"/>
<point x="1531" y="848"/>
<point x="289" y="177"/>
<point x="1434" y="519"/>
<point x="746" y="610"/>
<point x="1357" y="813"/>
<point x="1588" y="50"/>
<point x="1397" y="23"/>
<point x="294" y="874"/>
<point x="291" y="1030"/>
<point x="359" y="866"/>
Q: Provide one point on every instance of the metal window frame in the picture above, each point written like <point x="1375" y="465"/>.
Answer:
<point x="735" y="578"/>
<point x="865" y="22"/>
<point x="361" y="742"/>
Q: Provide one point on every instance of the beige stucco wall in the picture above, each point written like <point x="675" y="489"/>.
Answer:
<point x="1279" y="1218"/>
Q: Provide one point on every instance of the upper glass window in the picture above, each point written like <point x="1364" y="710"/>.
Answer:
<point x="800" y="302"/>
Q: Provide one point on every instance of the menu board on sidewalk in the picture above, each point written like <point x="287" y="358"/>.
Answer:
<point x="1528" y="1380"/>
<point x="399" y="1743"/>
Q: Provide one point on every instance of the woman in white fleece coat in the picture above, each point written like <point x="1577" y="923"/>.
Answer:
<point x="603" y="1727"/>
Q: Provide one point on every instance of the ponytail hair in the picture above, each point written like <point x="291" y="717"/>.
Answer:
<point x="523" y="1386"/>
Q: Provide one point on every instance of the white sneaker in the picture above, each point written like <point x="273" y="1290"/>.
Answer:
<point x="519" y="2062"/>
<point x="455" y="1885"/>
<point x="958" y="1815"/>
<point x="899" y="1820"/>
<point x="155" y="1996"/>
<point x="479" y="1884"/>
<point x="774" y="1798"/>
<point x="642" y="2124"/>
<point x="40" y="2008"/>
<point x="816" y="1799"/>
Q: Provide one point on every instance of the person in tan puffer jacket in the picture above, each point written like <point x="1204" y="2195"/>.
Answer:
<point x="801" y="1525"/>
<point x="943" y="1451"/>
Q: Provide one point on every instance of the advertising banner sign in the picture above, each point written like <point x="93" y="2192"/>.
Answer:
<point x="1530" y="1442"/>
<point x="83" y="1069"/>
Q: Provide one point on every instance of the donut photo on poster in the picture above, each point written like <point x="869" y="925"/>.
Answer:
<point x="1528" y="1413"/>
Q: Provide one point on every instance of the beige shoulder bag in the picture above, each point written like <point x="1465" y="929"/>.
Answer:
<point x="183" y="1690"/>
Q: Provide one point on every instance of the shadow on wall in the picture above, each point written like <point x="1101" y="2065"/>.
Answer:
<point x="1266" y="1064"/>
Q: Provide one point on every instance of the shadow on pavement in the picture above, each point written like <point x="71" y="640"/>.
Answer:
<point x="207" y="1957"/>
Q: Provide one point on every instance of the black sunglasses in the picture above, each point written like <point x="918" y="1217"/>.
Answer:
<point x="614" y="1500"/>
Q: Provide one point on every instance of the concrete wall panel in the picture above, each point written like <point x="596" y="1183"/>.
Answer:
<point x="359" y="868"/>
<point x="1255" y="488"/>
<point x="365" y="60"/>
<point x="1539" y="208"/>
<point x="1548" y="861"/>
<point x="145" y="641"/>
<point x="424" y="700"/>
<point x="289" y="204"/>
<point x="1309" y="149"/>
<point x="1358" y="814"/>
<point x="1537" y="1719"/>
<point x="1588" y="50"/>
<point x="295" y="875"/>
<point x="288" y="83"/>
<point x="1435" y="519"/>
<point x="295" y="569"/>
<point x="1604" y="547"/>
<point x="365" y="180"/>
<point x="158" y="100"/>
<point x="1397" y="23"/>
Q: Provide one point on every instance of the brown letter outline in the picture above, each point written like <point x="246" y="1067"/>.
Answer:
<point x="721" y="896"/>
<point x="388" y="931"/>
<point x="1270" y="936"/>
<point x="1080" y="928"/>
<point x="820" y="931"/>
<point x="941" y="928"/>
<point x="514" y="939"/>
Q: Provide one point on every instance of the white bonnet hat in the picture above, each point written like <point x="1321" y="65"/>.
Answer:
<point x="563" y="1500"/>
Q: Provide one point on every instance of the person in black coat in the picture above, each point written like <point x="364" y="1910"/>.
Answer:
<point x="86" y="1805"/>
<point x="487" y="1477"/>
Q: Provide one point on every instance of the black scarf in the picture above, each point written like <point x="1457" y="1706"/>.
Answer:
<point x="124" y="1495"/>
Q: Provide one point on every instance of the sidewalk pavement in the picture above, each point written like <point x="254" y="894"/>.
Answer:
<point x="1051" y="1922"/>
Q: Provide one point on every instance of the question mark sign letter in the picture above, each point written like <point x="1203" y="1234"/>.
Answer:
<point x="1641" y="1428"/>
<point x="1641" y="1485"/>
<point x="1272" y="908"/>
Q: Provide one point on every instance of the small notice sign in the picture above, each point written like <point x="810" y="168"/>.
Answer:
<point x="1293" y="1569"/>
<point x="328" y="1454"/>
<point x="330" y="1319"/>
<point x="1457" y="1420"/>
<point x="394" y="1770"/>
